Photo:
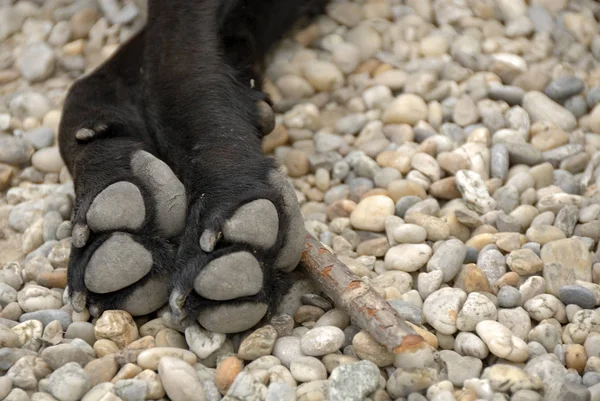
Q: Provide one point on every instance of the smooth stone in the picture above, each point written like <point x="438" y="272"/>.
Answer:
<point x="202" y="342"/>
<point x="407" y="257"/>
<point x="564" y="87"/>
<point x="257" y="344"/>
<point x="33" y="298"/>
<point x="371" y="212"/>
<point x="502" y="342"/>
<point x="366" y="347"/>
<point x="232" y="276"/>
<point x="232" y="318"/>
<point x="239" y="228"/>
<point x="353" y="382"/>
<point x="322" y="341"/>
<point x="131" y="389"/>
<point x="543" y="109"/>
<point x="448" y="258"/>
<point x="307" y="369"/>
<point x="69" y="383"/>
<point x="577" y="295"/>
<point x="41" y="137"/>
<point x="287" y="349"/>
<point x="117" y="326"/>
<point x="150" y="358"/>
<point x="120" y="250"/>
<point x="47" y="160"/>
<point x="48" y="315"/>
<point x="179" y="380"/>
<point x="118" y="206"/>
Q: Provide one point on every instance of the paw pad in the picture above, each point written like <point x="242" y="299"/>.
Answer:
<point x="119" y="206"/>
<point x="256" y="223"/>
<point x="117" y="263"/>
<point x="228" y="277"/>
<point x="232" y="318"/>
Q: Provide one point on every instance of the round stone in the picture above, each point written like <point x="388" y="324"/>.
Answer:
<point x="232" y="276"/>
<point x="502" y="342"/>
<point x="371" y="212"/>
<point x="322" y="341"/>
<point x="577" y="295"/>
<point x="307" y="369"/>
<point x="179" y="379"/>
<point x="118" y="206"/>
<point x="407" y="257"/>
<point x="120" y="252"/>
<point x="232" y="318"/>
<point x="406" y="109"/>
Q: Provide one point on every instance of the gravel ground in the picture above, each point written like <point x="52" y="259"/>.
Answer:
<point x="447" y="151"/>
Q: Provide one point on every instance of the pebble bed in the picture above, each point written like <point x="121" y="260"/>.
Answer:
<point x="447" y="151"/>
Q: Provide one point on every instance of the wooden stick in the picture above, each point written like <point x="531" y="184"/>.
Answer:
<point x="366" y="308"/>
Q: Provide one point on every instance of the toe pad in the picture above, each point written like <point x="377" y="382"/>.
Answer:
<point x="228" y="277"/>
<point x="255" y="223"/>
<point x="232" y="318"/>
<point x="119" y="207"/>
<point x="117" y="263"/>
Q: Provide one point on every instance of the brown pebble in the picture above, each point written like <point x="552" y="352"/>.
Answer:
<point x="278" y="137"/>
<point x="375" y="192"/>
<point x="445" y="189"/>
<point x="102" y="370"/>
<point x="128" y="371"/>
<point x="340" y="208"/>
<point x="308" y="313"/>
<point x="6" y="174"/>
<point x="508" y="279"/>
<point x="297" y="163"/>
<point x="226" y="373"/>
<point x="398" y="189"/>
<point x="53" y="279"/>
<point x="472" y="279"/>
<point x="105" y="347"/>
<point x="576" y="357"/>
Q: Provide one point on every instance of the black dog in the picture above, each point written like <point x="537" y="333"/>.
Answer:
<point x="174" y="196"/>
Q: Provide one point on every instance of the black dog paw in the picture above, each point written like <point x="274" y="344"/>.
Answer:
<point x="123" y="229"/>
<point x="234" y="259"/>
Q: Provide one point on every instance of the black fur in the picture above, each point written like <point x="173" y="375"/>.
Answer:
<point x="180" y="89"/>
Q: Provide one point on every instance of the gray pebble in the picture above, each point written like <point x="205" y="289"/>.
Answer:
<point x="48" y="315"/>
<point x="353" y="382"/>
<point x="509" y="297"/>
<point x="7" y="294"/>
<point x="69" y="383"/>
<point x="316" y="300"/>
<point x="41" y="137"/>
<point x="576" y="105"/>
<point x="523" y="153"/>
<point x="564" y="87"/>
<point x="472" y="255"/>
<point x="50" y="225"/>
<point x="513" y="95"/>
<point x="24" y="214"/>
<point x="60" y="203"/>
<point x="448" y="258"/>
<point x="407" y="311"/>
<point x="63" y="354"/>
<point x="507" y="198"/>
<point x="64" y="230"/>
<point x="358" y="187"/>
<point x="280" y="392"/>
<point x="82" y="330"/>
<point x="287" y="349"/>
<point x="500" y="161"/>
<point x="17" y="394"/>
<point x="406" y="203"/>
<point x="590" y="379"/>
<point x="37" y="62"/>
<point x="131" y="389"/>
<point x="577" y="295"/>
<point x="566" y="181"/>
<point x="593" y="97"/>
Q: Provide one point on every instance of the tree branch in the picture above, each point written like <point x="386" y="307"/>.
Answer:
<point x="366" y="308"/>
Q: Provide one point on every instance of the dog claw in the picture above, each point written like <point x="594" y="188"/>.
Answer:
<point x="209" y="240"/>
<point x="80" y="235"/>
<point x="78" y="301"/>
<point x="85" y="134"/>
<point x="177" y="303"/>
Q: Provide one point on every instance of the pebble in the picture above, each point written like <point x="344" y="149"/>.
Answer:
<point x="367" y="348"/>
<point x="501" y="342"/>
<point x="577" y="295"/>
<point x="307" y="369"/>
<point x="371" y="212"/>
<point x="322" y="340"/>
<point x="405" y="109"/>
<point x="179" y="380"/>
<point x="203" y="342"/>
<point x="117" y="326"/>
<point x="37" y="62"/>
<point x="257" y="344"/>
<point x="150" y="358"/>
<point x="69" y="382"/>
<point x="353" y="382"/>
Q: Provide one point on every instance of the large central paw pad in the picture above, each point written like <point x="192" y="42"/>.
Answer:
<point x="122" y="257"/>
<point x="240" y="269"/>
